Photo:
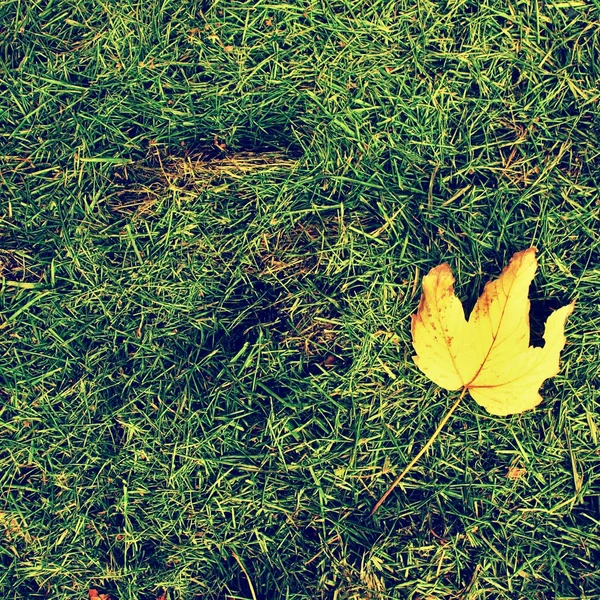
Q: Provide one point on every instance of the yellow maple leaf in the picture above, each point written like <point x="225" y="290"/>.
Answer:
<point x="489" y="355"/>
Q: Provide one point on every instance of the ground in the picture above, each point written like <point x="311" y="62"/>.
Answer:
<point x="214" y="220"/>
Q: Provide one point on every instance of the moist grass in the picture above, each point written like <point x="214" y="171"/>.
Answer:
<point x="214" y="219"/>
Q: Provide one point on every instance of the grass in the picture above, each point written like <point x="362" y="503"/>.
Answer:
<point x="214" y="218"/>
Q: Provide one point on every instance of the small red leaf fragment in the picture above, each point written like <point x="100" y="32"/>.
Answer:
<point x="94" y="595"/>
<point x="515" y="472"/>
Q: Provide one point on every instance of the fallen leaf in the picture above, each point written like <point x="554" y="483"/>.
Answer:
<point x="489" y="355"/>
<point x="94" y="595"/>
<point x="516" y="472"/>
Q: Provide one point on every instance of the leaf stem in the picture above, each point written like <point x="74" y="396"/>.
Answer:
<point x="424" y="449"/>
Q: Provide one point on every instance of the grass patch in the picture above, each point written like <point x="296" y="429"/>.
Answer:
<point x="214" y="219"/>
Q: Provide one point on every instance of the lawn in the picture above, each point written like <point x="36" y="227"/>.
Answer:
<point x="214" y="222"/>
